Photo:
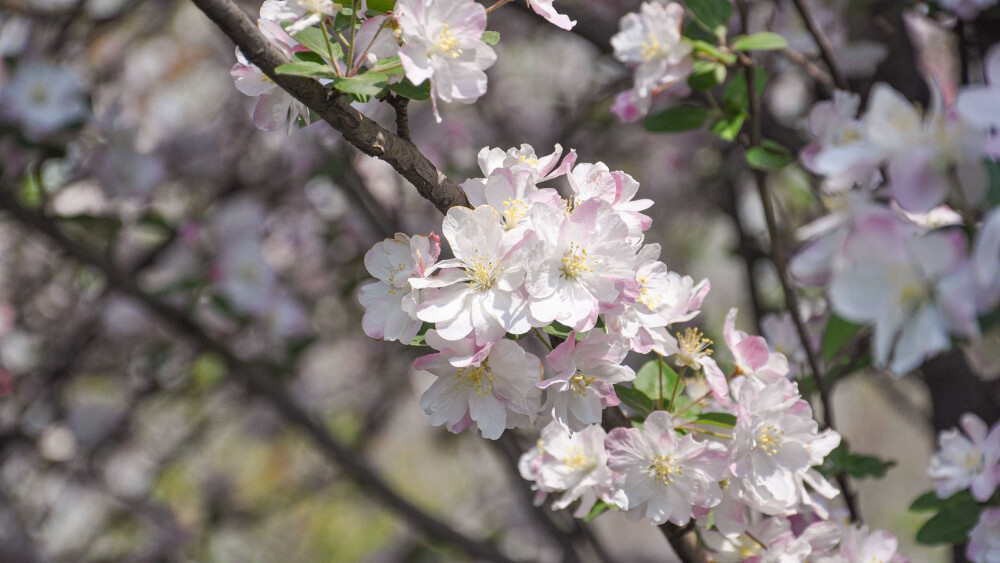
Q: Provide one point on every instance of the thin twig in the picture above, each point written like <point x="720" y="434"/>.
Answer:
<point x="825" y="48"/>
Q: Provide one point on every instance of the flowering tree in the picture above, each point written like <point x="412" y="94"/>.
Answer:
<point x="544" y="318"/>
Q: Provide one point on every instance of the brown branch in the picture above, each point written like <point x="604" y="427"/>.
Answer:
<point x="825" y="48"/>
<point x="365" y="134"/>
<point x="259" y="380"/>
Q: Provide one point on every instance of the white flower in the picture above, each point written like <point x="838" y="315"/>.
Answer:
<point x="43" y="98"/>
<point x="393" y="262"/>
<point x="589" y="181"/>
<point x="586" y="372"/>
<point x="443" y="44"/>
<point x="579" y="264"/>
<point x="969" y="461"/>
<point x="574" y="464"/>
<point x="478" y="291"/>
<point x="304" y="13"/>
<point x="512" y="192"/>
<point x="524" y="158"/>
<point x="775" y="443"/>
<point x="984" y="539"/>
<point x="662" y="475"/>
<point x="275" y="108"/>
<point x="495" y="393"/>
<point x="545" y="9"/>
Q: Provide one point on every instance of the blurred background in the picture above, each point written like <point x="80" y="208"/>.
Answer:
<point x="124" y="437"/>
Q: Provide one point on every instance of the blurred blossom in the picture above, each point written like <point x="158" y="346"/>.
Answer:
<point x="44" y="98"/>
<point x="984" y="539"/>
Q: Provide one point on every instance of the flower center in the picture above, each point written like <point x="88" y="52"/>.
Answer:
<point x="769" y="439"/>
<point x="576" y="459"/>
<point x="513" y="211"/>
<point x="663" y="469"/>
<point x="692" y="346"/>
<point x="650" y="47"/>
<point x="447" y="44"/>
<point x="580" y="383"/>
<point x="478" y="379"/>
<point x="574" y="262"/>
<point x="973" y="461"/>
<point x="483" y="272"/>
<point x="651" y="301"/>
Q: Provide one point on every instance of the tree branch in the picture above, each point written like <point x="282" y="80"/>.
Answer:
<point x="365" y="134"/>
<point x="259" y="380"/>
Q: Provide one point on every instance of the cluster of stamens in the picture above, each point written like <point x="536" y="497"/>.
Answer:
<point x="574" y="262"/>
<point x="513" y="211"/>
<point x="575" y="459"/>
<point x="447" y="42"/>
<point x="651" y="47"/>
<point x="580" y="383"/>
<point x="769" y="439"/>
<point x="651" y="301"/>
<point x="479" y="379"/>
<point x="663" y="469"/>
<point x="692" y="347"/>
<point x="482" y="272"/>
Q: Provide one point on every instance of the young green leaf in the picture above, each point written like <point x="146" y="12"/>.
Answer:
<point x="367" y="84"/>
<point x="764" y="41"/>
<point x="307" y="69"/>
<point x="713" y="14"/>
<point x="706" y="74"/>
<point x="706" y="48"/>
<point x="315" y="41"/>
<point x="676" y="119"/>
<point x="599" y="508"/>
<point x="927" y="502"/>
<point x="491" y="37"/>
<point x="764" y="159"/>
<point x="729" y="126"/>
<point x="952" y="524"/>
<point x="647" y="380"/>
<point x="408" y="90"/>
<point x="837" y="334"/>
<point x="721" y="419"/>
<point x="381" y="6"/>
<point x="635" y="400"/>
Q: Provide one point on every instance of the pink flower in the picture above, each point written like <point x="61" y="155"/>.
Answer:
<point x="443" y="44"/>
<point x="751" y="354"/>
<point x="393" y="262"/>
<point x="662" y="475"/>
<point x="972" y="460"/>
<point x="984" y="539"/>
<point x="545" y="9"/>
<point x="275" y="108"/>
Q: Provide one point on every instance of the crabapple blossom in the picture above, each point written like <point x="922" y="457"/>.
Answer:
<point x="980" y="104"/>
<point x="775" y="443"/>
<point x="512" y="192"/>
<point x="393" y="262"/>
<point x="651" y="41"/>
<point x="543" y="168"/>
<point x="545" y="9"/>
<point x="915" y="288"/>
<point x="495" y="393"/>
<point x="302" y="13"/>
<point x="691" y="350"/>
<point x="586" y="372"/>
<point x="986" y="263"/>
<point x="581" y="261"/>
<point x="443" y="44"/>
<point x="275" y="108"/>
<point x="43" y="98"/>
<point x="737" y="548"/>
<point x="662" y="475"/>
<point x="968" y="461"/>
<point x="751" y="354"/>
<point x="984" y="539"/>
<point x="590" y="181"/>
<point x="858" y="544"/>
<point x="575" y="464"/>
<point x="479" y="291"/>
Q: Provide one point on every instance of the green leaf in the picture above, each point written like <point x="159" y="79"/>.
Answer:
<point x="713" y="14"/>
<point x="647" y="380"/>
<point x="706" y="48"/>
<point x="764" y="159"/>
<point x="837" y="334"/>
<point x="367" y="84"/>
<point x="927" y="502"/>
<point x="764" y="41"/>
<point x="408" y="90"/>
<point x="308" y="57"/>
<point x="381" y="6"/>
<point x="599" y="508"/>
<point x="558" y="330"/>
<point x="706" y="74"/>
<point x="310" y="70"/>
<point x="841" y="460"/>
<point x="722" y="419"/>
<point x="735" y="96"/>
<point x="676" y="119"/>
<point x="681" y="403"/>
<point x="208" y="369"/>
<point x="391" y="65"/>
<point x="635" y="400"/>
<point x="694" y="31"/>
<point x="491" y="37"/>
<point x="315" y="41"/>
<point x="729" y="126"/>
<point x="952" y="523"/>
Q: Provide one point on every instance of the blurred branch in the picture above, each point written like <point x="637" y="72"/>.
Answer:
<point x="365" y="134"/>
<point x="813" y="70"/>
<point x="825" y="48"/>
<point x="259" y="380"/>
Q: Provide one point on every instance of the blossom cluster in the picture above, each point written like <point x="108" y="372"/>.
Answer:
<point x="971" y="461"/>
<point x="906" y="188"/>
<point x="436" y="41"/>
<point x="650" y="41"/>
<point x="529" y="262"/>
